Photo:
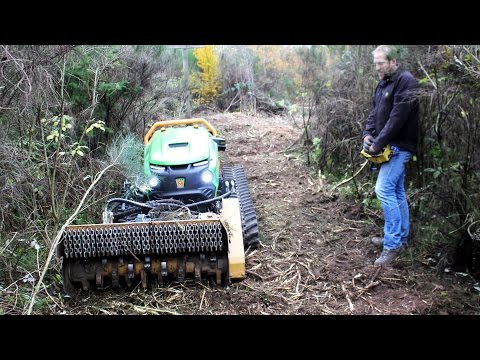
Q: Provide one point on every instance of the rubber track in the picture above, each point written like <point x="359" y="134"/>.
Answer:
<point x="247" y="211"/>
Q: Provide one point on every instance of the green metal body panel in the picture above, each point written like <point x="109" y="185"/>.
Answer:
<point x="181" y="146"/>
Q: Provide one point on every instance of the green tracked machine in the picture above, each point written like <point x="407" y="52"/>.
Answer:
<point x="192" y="221"/>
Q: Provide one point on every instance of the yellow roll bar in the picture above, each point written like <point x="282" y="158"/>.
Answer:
<point x="164" y="124"/>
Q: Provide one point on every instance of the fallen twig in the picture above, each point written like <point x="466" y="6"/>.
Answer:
<point x="60" y="233"/>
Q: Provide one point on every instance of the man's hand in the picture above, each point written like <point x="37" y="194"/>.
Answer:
<point x="368" y="142"/>
<point x="373" y="150"/>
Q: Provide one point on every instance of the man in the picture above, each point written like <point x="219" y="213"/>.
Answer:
<point x="393" y="120"/>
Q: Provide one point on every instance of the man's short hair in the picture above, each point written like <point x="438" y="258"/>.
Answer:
<point x="391" y="52"/>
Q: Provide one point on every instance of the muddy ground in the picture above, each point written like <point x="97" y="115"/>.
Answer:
<point x="315" y="256"/>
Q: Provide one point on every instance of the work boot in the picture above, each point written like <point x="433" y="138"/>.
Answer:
<point x="377" y="241"/>
<point x="387" y="256"/>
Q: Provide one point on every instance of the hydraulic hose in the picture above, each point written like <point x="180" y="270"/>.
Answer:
<point x="209" y="200"/>
<point x="149" y="207"/>
<point x="126" y="201"/>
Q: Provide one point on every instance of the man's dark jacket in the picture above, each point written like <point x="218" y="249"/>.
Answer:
<point x="394" y="117"/>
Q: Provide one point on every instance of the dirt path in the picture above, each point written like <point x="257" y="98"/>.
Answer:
<point x="315" y="256"/>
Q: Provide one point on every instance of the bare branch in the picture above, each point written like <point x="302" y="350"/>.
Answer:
<point x="60" y="233"/>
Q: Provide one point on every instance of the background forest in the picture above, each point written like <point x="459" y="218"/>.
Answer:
<point x="67" y="112"/>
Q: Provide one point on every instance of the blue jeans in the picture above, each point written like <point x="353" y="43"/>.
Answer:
<point x="390" y="191"/>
